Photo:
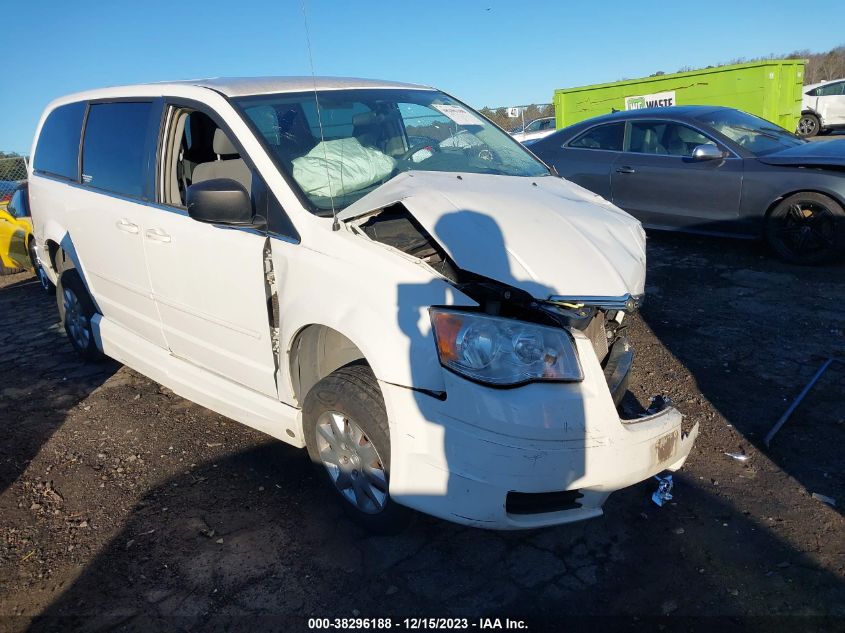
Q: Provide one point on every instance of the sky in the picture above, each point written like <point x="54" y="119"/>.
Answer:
<point x="485" y="52"/>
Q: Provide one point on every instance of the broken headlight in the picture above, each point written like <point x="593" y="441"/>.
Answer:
<point x="503" y="352"/>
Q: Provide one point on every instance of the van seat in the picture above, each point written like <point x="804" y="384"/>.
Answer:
<point x="229" y="164"/>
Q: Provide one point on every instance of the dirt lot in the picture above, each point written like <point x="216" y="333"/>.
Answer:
<point x="124" y="506"/>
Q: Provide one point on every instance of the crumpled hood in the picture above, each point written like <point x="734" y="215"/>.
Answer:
<point x="544" y="235"/>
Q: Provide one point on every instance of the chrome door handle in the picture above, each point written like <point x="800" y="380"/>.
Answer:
<point x="157" y="235"/>
<point x="626" y="170"/>
<point x="125" y="225"/>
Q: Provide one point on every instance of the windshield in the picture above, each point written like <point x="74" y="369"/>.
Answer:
<point x="753" y="133"/>
<point x="362" y="138"/>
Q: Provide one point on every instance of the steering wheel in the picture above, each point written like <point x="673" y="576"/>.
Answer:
<point x="433" y="147"/>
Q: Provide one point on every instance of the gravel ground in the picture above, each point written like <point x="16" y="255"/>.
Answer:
<point x="125" y="506"/>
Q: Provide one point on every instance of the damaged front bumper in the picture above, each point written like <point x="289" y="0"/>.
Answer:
<point x="534" y="456"/>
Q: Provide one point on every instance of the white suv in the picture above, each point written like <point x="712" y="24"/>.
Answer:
<point x="440" y="323"/>
<point x="822" y="108"/>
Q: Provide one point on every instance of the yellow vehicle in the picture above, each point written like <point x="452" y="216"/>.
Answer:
<point x="16" y="245"/>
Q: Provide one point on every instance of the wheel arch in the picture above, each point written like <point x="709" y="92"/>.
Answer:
<point x="53" y="252"/>
<point x="60" y="249"/>
<point x="824" y="192"/>
<point x="317" y="350"/>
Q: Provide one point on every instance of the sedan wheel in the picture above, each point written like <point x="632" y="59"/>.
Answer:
<point x="806" y="228"/>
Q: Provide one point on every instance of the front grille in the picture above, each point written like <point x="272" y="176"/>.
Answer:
<point x="597" y="334"/>
<point x="539" y="502"/>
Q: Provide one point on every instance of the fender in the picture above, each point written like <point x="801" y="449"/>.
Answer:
<point x="387" y="318"/>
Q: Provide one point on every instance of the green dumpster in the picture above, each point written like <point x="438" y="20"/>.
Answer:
<point x="770" y="89"/>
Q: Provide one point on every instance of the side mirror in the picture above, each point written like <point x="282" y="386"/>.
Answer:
<point x="220" y="201"/>
<point x="708" y="151"/>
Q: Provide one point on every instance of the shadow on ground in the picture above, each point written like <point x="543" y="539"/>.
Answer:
<point x="174" y="518"/>
<point x="40" y="376"/>
<point x="256" y="539"/>
<point x="753" y="331"/>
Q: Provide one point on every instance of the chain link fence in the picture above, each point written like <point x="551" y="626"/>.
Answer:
<point x="12" y="173"/>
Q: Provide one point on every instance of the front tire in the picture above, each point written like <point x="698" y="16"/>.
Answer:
<point x="76" y="310"/>
<point x="808" y="125"/>
<point x="806" y="228"/>
<point x="348" y="439"/>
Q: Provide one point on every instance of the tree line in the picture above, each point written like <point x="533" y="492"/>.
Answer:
<point x="820" y="66"/>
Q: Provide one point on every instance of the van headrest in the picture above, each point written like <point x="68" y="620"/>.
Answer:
<point x="221" y="143"/>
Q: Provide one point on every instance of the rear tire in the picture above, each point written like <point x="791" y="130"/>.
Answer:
<point x="46" y="284"/>
<point x="808" y="125"/>
<point x="806" y="228"/>
<point x="348" y="440"/>
<point x="76" y="310"/>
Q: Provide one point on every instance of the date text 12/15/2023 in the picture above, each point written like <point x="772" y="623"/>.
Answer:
<point x="417" y="624"/>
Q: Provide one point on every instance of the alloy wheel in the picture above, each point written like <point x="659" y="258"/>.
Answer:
<point x="352" y="461"/>
<point x="807" y="126"/>
<point x="75" y="320"/>
<point x="806" y="228"/>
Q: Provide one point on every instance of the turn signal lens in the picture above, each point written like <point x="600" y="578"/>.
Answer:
<point x="449" y="325"/>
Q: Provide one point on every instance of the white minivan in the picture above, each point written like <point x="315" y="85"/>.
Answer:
<point x="370" y="270"/>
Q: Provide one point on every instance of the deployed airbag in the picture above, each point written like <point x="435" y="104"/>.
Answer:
<point x="341" y="166"/>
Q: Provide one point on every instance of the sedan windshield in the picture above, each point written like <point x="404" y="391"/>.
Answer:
<point x="753" y="133"/>
<point x="346" y="143"/>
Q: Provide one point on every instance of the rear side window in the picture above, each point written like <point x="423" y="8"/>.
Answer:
<point x="831" y="89"/>
<point x="114" y="150"/>
<point x="57" y="151"/>
<point x="609" y="137"/>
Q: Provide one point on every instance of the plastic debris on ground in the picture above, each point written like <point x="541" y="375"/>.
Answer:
<point x="824" y="499"/>
<point x="739" y="456"/>
<point x="664" y="490"/>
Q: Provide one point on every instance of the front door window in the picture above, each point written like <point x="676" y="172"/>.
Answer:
<point x="664" y="138"/>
